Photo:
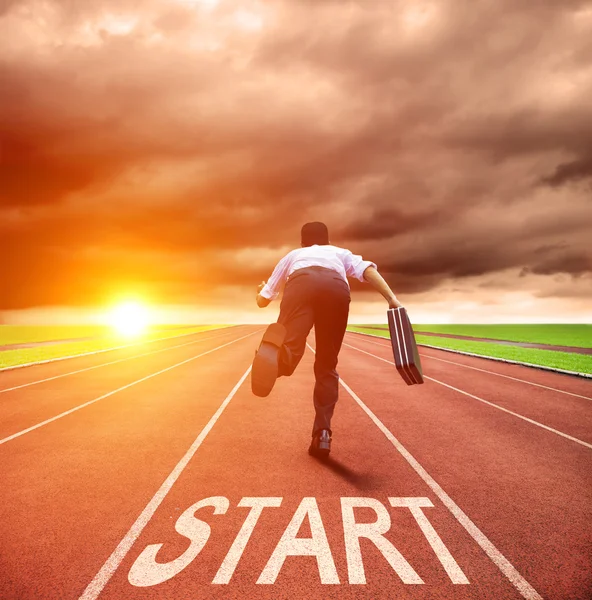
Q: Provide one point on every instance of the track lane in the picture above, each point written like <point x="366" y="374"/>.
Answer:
<point x="560" y="382"/>
<point x="570" y="415"/>
<point x="25" y="376"/>
<point x="102" y="578"/>
<point x="527" y="489"/>
<point x="71" y="490"/>
<point x="28" y="407"/>
<point x="517" y="379"/>
<point x="258" y="449"/>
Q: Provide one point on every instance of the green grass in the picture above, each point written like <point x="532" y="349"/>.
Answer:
<point x="105" y="339"/>
<point x="569" y="361"/>
<point x="20" y="334"/>
<point x="577" y="335"/>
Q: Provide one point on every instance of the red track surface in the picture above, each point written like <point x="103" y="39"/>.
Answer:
<point x="84" y="495"/>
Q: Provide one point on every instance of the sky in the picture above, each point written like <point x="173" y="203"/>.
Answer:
<point x="170" y="150"/>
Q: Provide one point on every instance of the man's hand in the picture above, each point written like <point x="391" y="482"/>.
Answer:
<point x="262" y="302"/>
<point x="394" y="303"/>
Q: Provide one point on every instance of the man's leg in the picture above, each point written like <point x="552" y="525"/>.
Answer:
<point x="283" y="343"/>
<point x="331" y="312"/>
<point x="297" y="316"/>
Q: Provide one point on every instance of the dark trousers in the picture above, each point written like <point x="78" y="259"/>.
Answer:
<point x="319" y="297"/>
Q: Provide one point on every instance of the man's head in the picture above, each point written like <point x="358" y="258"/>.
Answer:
<point x="314" y="233"/>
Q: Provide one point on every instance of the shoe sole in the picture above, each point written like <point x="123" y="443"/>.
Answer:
<point x="265" y="370"/>
<point x="266" y="362"/>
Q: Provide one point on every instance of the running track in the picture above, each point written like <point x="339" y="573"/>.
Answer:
<point x="178" y="483"/>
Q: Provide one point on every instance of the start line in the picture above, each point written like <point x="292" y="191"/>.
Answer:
<point x="146" y="571"/>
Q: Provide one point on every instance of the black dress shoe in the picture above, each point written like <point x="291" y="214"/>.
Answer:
<point x="266" y="362"/>
<point x="321" y="444"/>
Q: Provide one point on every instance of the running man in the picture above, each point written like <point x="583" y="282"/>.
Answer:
<point x="316" y="293"/>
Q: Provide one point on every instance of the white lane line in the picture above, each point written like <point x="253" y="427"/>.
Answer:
<point x="125" y="387"/>
<point x="96" y="586"/>
<point x="59" y="358"/>
<point x="507" y="377"/>
<point x="500" y="561"/>
<point x="119" y="360"/>
<point x="485" y="371"/>
<point x="532" y="421"/>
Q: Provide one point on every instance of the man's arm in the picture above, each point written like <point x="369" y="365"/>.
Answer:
<point x="262" y="302"/>
<point x="266" y="292"/>
<point x="365" y="270"/>
<point x="375" y="279"/>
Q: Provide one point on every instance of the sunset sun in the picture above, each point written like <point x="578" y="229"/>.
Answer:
<point x="129" y="318"/>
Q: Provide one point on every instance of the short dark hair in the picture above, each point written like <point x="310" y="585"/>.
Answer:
<point x="314" y="233"/>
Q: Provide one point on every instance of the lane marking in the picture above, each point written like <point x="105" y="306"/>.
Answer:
<point x="233" y="556"/>
<point x="500" y="561"/>
<point x="483" y="357"/>
<point x="147" y="571"/>
<point x="96" y="586"/>
<point x="290" y="545"/>
<point x="125" y="387"/>
<point x="435" y="541"/>
<point x="374" y="532"/>
<point x="511" y="412"/>
<point x="484" y="370"/>
<point x="59" y="358"/>
<point x="507" y="377"/>
<point x="113" y="362"/>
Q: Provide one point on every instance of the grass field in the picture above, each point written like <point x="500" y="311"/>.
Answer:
<point x="104" y="338"/>
<point x="578" y="335"/>
<point x="18" y="334"/>
<point x="548" y="358"/>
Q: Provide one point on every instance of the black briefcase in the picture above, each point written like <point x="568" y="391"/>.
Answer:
<point x="404" y="346"/>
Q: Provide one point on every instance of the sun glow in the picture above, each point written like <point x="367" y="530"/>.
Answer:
<point x="129" y="319"/>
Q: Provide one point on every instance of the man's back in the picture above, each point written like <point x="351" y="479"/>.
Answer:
<point x="340" y="260"/>
<point x="329" y="256"/>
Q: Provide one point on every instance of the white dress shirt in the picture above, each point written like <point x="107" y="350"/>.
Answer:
<point x="340" y="260"/>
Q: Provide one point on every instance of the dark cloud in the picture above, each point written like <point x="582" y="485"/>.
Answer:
<point x="177" y="148"/>
<point x="386" y="223"/>
<point x="570" y="171"/>
<point x="574" y="263"/>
